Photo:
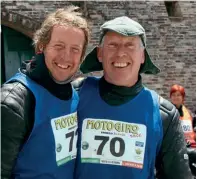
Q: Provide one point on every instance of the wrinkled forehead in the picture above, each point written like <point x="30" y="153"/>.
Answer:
<point x="65" y="34"/>
<point x="114" y="36"/>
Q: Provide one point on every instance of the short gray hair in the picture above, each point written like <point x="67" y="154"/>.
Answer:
<point x="102" y="42"/>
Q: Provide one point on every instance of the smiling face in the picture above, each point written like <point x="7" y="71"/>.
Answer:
<point x="177" y="99"/>
<point x="64" y="51"/>
<point x="121" y="57"/>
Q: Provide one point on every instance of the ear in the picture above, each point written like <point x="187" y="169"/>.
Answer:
<point x="40" y="47"/>
<point x="143" y="57"/>
<point x="99" y="53"/>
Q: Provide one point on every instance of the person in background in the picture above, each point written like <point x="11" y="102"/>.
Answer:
<point x="38" y="104"/>
<point x="177" y="96"/>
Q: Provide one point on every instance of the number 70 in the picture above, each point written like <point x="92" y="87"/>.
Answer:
<point x="113" y="141"/>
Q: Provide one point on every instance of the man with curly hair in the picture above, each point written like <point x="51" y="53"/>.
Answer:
<point x="39" y="105"/>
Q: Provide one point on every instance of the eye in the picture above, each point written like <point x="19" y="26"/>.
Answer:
<point x="130" y="45"/>
<point x="112" y="45"/>
<point x="75" y="49"/>
<point x="59" y="46"/>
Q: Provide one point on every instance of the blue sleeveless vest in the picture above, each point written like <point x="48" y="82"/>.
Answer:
<point x="50" y="150"/>
<point x="117" y="142"/>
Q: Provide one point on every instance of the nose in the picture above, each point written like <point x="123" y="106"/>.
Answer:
<point x="65" y="54"/>
<point x="121" y="51"/>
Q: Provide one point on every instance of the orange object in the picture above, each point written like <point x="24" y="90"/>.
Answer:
<point x="186" y="122"/>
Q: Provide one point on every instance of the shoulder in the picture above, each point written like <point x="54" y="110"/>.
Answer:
<point x="79" y="82"/>
<point x="189" y="111"/>
<point x="16" y="97"/>
<point x="169" y="113"/>
<point x="166" y="106"/>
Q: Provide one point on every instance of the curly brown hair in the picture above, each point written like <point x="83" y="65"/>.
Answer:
<point x="69" y="16"/>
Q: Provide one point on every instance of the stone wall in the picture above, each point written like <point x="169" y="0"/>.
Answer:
<point x="171" y="41"/>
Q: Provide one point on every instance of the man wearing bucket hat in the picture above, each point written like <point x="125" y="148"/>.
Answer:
<point x="126" y="129"/>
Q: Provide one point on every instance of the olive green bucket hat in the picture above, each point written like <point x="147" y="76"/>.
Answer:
<point x="127" y="27"/>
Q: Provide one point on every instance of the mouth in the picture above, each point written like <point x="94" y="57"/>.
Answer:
<point x="120" y="65"/>
<point x="63" y="67"/>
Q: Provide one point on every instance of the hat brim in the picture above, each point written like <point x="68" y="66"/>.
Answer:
<point x="91" y="64"/>
<point x="148" y="67"/>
